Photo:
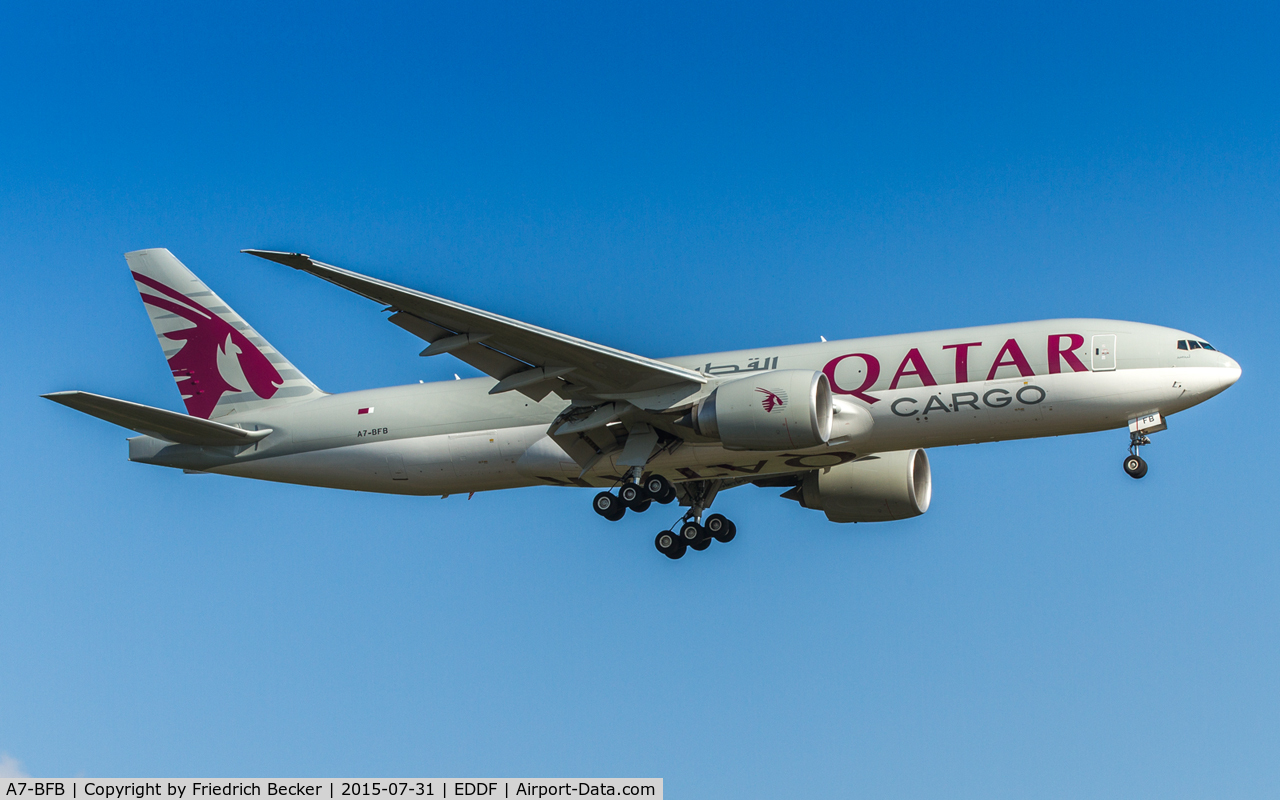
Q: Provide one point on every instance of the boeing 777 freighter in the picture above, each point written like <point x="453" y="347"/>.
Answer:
<point x="841" y="426"/>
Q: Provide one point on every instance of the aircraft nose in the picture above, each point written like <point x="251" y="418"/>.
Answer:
<point x="1224" y="373"/>
<point x="1230" y="373"/>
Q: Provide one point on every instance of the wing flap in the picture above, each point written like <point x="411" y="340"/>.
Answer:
<point x="161" y="423"/>
<point x="489" y="361"/>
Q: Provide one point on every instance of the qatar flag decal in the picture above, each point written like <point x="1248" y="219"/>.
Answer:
<point x="368" y="410"/>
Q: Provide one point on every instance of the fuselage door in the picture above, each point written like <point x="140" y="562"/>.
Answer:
<point x="1104" y="352"/>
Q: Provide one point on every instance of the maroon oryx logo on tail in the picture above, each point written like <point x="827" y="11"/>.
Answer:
<point x="207" y="348"/>
<point x="772" y="399"/>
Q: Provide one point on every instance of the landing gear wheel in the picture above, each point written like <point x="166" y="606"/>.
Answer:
<point x="694" y="535"/>
<point x="631" y="495"/>
<point x="660" y="489"/>
<point x="1135" y="466"/>
<point x="609" y="506"/>
<point x="721" y="528"/>
<point x="669" y="545"/>
<point x="643" y="505"/>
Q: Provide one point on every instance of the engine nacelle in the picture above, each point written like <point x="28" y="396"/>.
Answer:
<point x="876" y="488"/>
<point x="776" y="410"/>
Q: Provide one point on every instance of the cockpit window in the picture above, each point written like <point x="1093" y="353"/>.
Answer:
<point x="1182" y="344"/>
<point x="1194" y="344"/>
<point x="1206" y="346"/>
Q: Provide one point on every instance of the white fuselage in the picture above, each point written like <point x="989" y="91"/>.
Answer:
<point x="931" y="389"/>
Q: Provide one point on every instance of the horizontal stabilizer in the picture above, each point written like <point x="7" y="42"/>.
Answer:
<point x="168" y="425"/>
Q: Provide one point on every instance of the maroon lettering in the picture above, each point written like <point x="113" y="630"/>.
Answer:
<point x="962" y="359"/>
<point x="919" y="369"/>
<point x="1016" y="359"/>
<point x="873" y="374"/>
<point x="1057" y="352"/>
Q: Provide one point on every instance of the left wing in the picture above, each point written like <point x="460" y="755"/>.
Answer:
<point x="522" y="357"/>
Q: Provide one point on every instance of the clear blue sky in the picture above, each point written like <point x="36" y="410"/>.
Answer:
<point x="666" y="179"/>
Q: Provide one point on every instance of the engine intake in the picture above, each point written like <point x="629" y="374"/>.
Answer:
<point x="777" y="410"/>
<point x="877" y="488"/>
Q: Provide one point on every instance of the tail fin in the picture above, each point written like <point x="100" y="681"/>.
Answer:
<point x="219" y="362"/>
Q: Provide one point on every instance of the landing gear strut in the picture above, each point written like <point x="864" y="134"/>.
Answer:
<point x="1133" y="463"/>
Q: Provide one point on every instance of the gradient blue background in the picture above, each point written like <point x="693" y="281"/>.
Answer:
<point x="666" y="179"/>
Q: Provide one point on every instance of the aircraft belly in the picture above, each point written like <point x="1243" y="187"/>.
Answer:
<point x="424" y="465"/>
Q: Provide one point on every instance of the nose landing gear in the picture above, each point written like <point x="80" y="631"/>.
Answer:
<point x="1134" y="464"/>
<point x="1139" y="427"/>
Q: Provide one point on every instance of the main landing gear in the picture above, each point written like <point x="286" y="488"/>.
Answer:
<point x="634" y="496"/>
<point x="1134" y="463"/>
<point x="692" y="532"/>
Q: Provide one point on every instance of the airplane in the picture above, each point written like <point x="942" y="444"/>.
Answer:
<point x="841" y="426"/>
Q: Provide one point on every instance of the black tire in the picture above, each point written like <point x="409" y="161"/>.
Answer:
<point x="642" y="506"/>
<point x="720" y="528"/>
<point x="701" y="544"/>
<point x="660" y="489"/>
<point x="632" y="495"/>
<point x="690" y="532"/>
<point x="669" y="544"/>
<point x="609" y="506"/>
<point x="1135" y="466"/>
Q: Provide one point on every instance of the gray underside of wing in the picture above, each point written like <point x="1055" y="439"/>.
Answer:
<point x="523" y="357"/>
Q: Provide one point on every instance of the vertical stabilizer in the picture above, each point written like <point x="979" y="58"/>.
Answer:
<point x="219" y="362"/>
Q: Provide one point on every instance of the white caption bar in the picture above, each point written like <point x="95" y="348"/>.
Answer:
<point x="329" y="789"/>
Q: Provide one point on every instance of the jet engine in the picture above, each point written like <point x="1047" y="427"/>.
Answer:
<point x="774" y="410"/>
<point x="876" y="488"/>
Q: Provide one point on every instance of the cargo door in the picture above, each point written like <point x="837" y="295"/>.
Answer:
<point x="1104" y="352"/>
